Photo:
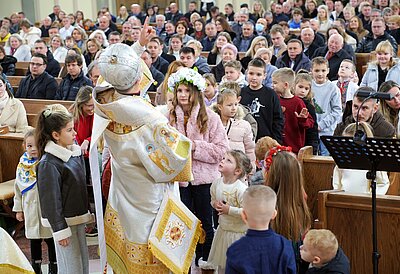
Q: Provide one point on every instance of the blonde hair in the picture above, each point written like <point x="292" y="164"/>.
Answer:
<point x="259" y="203"/>
<point x="234" y="64"/>
<point x="350" y="130"/>
<point x="285" y="75"/>
<point x="304" y="76"/>
<point x="385" y="46"/>
<point x="251" y="52"/>
<point x="262" y="51"/>
<point x="231" y="86"/>
<point x="83" y="96"/>
<point x="263" y="145"/>
<point x="323" y="242"/>
<point x="222" y="96"/>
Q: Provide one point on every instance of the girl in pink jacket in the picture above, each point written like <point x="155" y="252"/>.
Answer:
<point x="203" y="127"/>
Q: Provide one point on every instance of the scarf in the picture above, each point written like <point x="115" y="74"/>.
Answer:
<point x="343" y="90"/>
<point x="3" y="100"/>
<point x="26" y="172"/>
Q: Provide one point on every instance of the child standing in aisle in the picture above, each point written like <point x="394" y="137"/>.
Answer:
<point x="297" y="118"/>
<point x="226" y="198"/>
<point x="327" y="100"/>
<point x="261" y="250"/>
<point x="302" y="89"/>
<point x="238" y="130"/>
<point x="62" y="188"/>
<point x="27" y="207"/>
<point x="263" y="102"/>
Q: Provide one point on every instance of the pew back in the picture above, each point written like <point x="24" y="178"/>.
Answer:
<point x="317" y="175"/>
<point x="348" y="216"/>
<point x="34" y="106"/>
<point x="10" y="151"/>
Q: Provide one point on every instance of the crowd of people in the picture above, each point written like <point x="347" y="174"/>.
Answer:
<point x="248" y="88"/>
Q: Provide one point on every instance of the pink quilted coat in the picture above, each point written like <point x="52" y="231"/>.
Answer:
<point x="210" y="147"/>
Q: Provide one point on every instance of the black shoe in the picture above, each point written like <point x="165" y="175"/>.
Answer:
<point x="92" y="232"/>
<point x="37" y="267"/>
<point x="52" y="268"/>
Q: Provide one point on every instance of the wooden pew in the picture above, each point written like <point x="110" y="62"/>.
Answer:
<point x="10" y="151"/>
<point x="34" y="106"/>
<point x="317" y="175"/>
<point x="348" y="216"/>
<point x="362" y="59"/>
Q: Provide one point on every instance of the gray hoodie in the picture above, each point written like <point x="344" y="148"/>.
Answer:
<point x="328" y="106"/>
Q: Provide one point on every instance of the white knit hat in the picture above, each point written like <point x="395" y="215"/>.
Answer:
<point x="120" y="66"/>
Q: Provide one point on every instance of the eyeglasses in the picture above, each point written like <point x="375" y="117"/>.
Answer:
<point x="35" y="64"/>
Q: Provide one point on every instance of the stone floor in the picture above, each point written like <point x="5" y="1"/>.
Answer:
<point x="94" y="262"/>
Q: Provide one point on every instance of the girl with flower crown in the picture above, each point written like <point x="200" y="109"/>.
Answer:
<point x="204" y="128"/>
<point x="282" y="172"/>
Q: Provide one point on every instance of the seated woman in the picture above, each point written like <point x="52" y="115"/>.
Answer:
<point x="257" y="43"/>
<point x="215" y="55"/>
<point x="356" y="26"/>
<point x="12" y="111"/>
<point x="57" y="48"/>
<point x="7" y="62"/>
<point x="17" y="47"/>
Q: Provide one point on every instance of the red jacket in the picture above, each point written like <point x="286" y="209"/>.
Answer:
<point x="83" y="128"/>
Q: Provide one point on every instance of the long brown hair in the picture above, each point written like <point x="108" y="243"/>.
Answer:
<point x="51" y="119"/>
<point x="286" y="179"/>
<point x="84" y="95"/>
<point x="196" y="98"/>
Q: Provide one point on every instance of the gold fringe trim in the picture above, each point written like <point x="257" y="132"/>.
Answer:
<point x="199" y="235"/>
<point x="11" y="269"/>
<point x="170" y="208"/>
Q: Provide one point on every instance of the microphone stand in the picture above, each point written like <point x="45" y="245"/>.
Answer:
<point x="360" y="139"/>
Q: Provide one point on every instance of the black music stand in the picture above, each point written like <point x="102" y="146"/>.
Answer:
<point x="374" y="155"/>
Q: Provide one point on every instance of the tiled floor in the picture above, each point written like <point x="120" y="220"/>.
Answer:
<point x="94" y="262"/>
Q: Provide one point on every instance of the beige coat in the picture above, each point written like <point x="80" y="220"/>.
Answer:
<point x="14" y="115"/>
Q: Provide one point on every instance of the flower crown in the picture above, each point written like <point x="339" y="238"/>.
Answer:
<point x="186" y="75"/>
<point x="272" y="152"/>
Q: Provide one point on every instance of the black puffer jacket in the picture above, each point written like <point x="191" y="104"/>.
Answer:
<point x="61" y="182"/>
<point x="8" y="65"/>
<point x="69" y="87"/>
<point x="369" y="43"/>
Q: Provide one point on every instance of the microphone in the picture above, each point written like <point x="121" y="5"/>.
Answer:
<point x="374" y="95"/>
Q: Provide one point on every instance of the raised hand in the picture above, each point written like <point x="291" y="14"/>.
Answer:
<point x="147" y="33"/>
<point x="303" y="113"/>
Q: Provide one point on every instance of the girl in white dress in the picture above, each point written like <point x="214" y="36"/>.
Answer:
<point x="226" y="198"/>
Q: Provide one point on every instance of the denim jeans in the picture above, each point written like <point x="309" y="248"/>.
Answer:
<point x="323" y="151"/>
<point x="198" y="200"/>
<point x="74" y="258"/>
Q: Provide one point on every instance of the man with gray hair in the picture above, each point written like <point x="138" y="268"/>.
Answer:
<point x="307" y="37"/>
<point x="160" y="22"/>
<point x="243" y="16"/>
<point x="136" y="11"/>
<point x="46" y="24"/>
<point x="334" y="53"/>
<point x="243" y="41"/>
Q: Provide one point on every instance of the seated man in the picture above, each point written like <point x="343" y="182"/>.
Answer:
<point x="53" y="67"/>
<point x="294" y="57"/>
<point x="211" y="35"/>
<point x="370" y="114"/>
<point x="378" y="34"/>
<point x="154" y="49"/>
<point x="157" y="75"/>
<point x="243" y="41"/>
<point x="74" y="79"/>
<point x="39" y="84"/>
<point x="334" y="53"/>
<point x="187" y="57"/>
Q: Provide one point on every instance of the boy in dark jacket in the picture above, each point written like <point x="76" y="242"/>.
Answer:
<point x="263" y="102"/>
<point x="261" y="250"/>
<point x="321" y="249"/>
<point x="74" y="80"/>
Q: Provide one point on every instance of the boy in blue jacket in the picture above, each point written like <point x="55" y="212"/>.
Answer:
<point x="261" y="250"/>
